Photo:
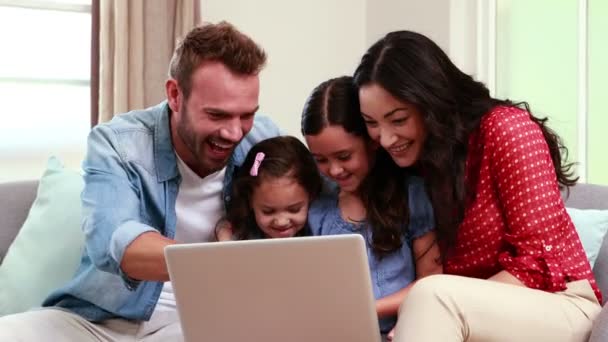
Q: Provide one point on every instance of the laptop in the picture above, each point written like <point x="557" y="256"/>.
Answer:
<point x="299" y="289"/>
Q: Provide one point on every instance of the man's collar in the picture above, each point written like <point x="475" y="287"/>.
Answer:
<point x="164" y="153"/>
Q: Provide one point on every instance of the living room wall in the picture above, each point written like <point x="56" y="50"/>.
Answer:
<point x="521" y="50"/>
<point x="310" y="41"/>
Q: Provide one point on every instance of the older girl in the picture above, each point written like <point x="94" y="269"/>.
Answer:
<point x="392" y="213"/>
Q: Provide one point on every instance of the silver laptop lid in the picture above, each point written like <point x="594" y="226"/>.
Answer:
<point x="294" y="289"/>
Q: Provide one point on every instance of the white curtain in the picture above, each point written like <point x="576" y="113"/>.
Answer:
<point x="137" y="39"/>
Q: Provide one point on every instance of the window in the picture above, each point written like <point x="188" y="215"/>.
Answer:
<point x="553" y="54"/>
<point x="44" y="84"/>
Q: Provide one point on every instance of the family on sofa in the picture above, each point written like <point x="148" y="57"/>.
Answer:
<point x="455" y="192"/>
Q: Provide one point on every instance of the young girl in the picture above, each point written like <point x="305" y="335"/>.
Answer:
<point x="271" y="192"/>
<point x="517" y="269"/>
<point x="394" y="216"/>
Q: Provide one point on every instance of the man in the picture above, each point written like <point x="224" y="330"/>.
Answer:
<point x="155" y="177"/>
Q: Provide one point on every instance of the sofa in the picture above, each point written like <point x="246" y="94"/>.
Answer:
<point x="16" y="198"/>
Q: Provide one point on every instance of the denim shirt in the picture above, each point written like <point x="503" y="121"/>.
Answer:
<point x="392" y="272"/>
<point x="131" y="184"/>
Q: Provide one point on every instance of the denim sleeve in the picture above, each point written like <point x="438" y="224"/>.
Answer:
<point x="266" y="127"/>
<point x="263" y="128"/>
<point x="110" y="201"/>
<point x="316" y="215"/>
<point x="422" y="217"/>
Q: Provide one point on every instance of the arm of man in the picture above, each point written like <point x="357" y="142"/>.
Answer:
<point x="427" y="261"/>
<point x="144" y="258"/>
<point x="116" y="237"/>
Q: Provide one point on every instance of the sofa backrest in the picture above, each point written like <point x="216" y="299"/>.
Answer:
<point x="600" y="269"/>
<point x="16" y="198"/>
<point x="587" y="196"/>
<point x="591" y="196"/>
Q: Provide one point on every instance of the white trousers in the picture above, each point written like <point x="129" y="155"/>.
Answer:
<point x="445" y="308"/>
<point x="51" y="324"/>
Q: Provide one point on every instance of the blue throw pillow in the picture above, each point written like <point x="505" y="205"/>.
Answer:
<point x="591" y="226"/>
<point x="47" y="249"/>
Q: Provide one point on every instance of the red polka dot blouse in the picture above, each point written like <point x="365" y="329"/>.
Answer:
<point x="517" y="221"/>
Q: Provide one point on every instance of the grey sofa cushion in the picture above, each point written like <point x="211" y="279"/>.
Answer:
<point x="600" y="269"/>
<point x="16" y="198"/>
<point x="591" y="196"/>
<point x="587" y="196"/>
<point x="600" y="327"/>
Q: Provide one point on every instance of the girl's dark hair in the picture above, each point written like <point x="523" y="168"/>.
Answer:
<point x="285" y="156"/>
<point x="413" y="69"/>
<point x="336" y="102"/>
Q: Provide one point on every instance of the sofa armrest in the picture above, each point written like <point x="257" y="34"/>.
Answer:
<point x="600" y="269"/>
<point x="600" y="327"/>
<point x="16" y="198"/>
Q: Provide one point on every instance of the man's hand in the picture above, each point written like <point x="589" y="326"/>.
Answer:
<point x="144" y="258"/>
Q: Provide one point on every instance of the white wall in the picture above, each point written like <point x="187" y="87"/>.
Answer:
<point x="429" y="17"/>
<point x="450" y="23"/>
<point x="309" y="41"/>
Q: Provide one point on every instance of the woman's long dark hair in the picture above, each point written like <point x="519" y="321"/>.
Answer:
<point x="413" y="69"/>
<point x="285" y="156"/>
<point x="383" y="191"/>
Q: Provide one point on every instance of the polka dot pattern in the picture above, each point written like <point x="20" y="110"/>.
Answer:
<point x="516" y="220"/>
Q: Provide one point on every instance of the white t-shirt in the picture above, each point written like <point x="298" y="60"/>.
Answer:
<point x="198" y="208"/>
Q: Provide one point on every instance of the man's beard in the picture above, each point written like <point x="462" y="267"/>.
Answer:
<point x="195" y="145"/>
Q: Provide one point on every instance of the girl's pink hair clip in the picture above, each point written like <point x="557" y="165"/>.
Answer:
<point x="256" y="164"/>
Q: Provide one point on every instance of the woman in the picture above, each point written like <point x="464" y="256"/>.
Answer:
<point x="515" y="267"/>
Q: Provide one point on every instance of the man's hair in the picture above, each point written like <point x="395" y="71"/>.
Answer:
<point x="219" y="42"/>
